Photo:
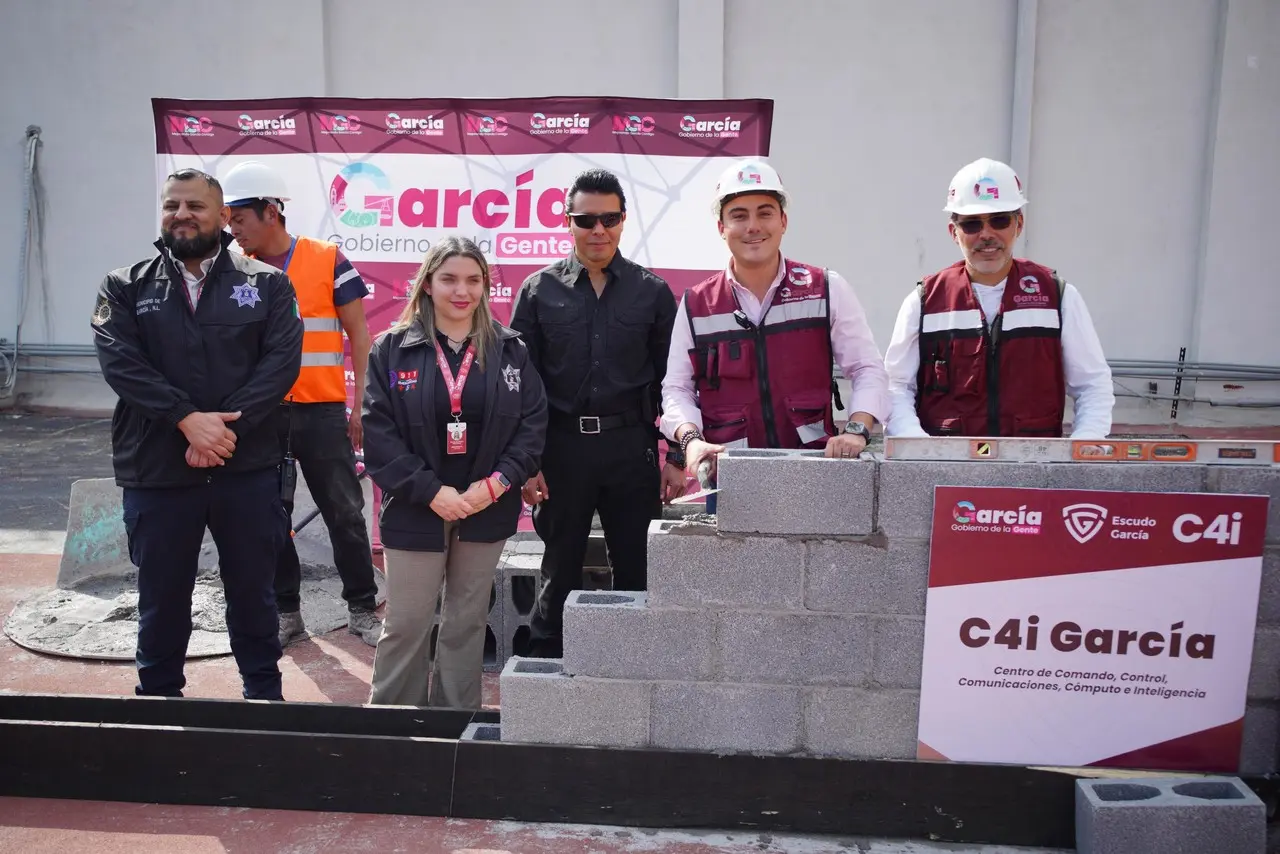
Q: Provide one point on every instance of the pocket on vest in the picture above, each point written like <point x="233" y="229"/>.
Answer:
<point x="1044" y="425"/>
<point x="725" y="425"/>
<point x="807" y="412"/>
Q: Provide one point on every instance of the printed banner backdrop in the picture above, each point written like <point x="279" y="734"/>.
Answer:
<point x="1080" y="628"/>
<point x="384" y="179"/>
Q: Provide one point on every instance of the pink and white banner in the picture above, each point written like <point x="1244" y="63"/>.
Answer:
<point x="384" y="178"/>
<point x="1083" y="628"/>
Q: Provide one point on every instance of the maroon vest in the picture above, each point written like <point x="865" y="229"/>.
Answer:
<point x="1003" y="381"/>
<point x="766" y="386"/>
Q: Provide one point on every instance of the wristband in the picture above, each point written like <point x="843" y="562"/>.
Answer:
<point x="488" y="484"/>
<point x="675" y="456"/>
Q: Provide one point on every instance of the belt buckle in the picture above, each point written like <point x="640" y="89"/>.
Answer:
<point x="582" y="424"/>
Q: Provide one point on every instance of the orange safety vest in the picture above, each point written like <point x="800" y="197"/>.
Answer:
<point x="310" y="268"/>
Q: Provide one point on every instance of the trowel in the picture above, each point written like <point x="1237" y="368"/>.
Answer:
<point x="704" y="480"/>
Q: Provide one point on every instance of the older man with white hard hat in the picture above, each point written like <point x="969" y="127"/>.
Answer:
<point x="993" y="344"/>
<point x="753" y="346"/>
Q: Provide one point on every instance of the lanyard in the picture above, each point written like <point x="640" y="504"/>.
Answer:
<point x="455" y="384"/>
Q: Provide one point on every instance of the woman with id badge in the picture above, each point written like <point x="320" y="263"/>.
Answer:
<point x="454" y="416"/>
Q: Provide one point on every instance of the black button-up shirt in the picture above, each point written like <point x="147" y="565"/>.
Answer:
<point x="597" y="355"/>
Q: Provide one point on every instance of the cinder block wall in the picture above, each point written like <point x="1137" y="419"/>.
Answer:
<point x="795" y="622"/>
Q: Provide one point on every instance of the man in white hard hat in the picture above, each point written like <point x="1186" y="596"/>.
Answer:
<point x="993" y="344"/>
<point x="753" y="346"/>
<point x="312" y="423"/>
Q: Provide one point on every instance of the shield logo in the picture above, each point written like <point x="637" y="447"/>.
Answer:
<point x="1084" y="521"/>
<point x="512" y="376"/>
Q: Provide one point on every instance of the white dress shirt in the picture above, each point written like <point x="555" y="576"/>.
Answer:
<point x="1088" y="377"/>
<point x="193" y="282"/>
<point x="854" y="349"/>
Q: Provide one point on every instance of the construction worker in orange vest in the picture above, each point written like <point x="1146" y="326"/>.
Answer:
<point x="313" y="423"/>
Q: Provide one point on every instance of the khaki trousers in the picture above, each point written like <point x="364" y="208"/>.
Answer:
<point x="403" y="660"/>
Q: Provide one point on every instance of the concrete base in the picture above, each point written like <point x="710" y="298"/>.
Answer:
<point x="98" y="620"/>
<point x="93" y="610"/>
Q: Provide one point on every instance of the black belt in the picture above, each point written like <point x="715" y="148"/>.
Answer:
<point x="592" y="424"/>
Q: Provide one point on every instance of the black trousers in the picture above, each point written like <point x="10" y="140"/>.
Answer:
<point x="615" y="473"/>
<point x="165" y="528"/>
<point x="320" y="443"/>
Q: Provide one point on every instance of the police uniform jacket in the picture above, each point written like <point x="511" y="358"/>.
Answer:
<point x="239" y="350"/>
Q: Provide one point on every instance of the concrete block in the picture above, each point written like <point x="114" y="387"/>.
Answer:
<point x="96" y="543"/>
<point x="543" y="705"/>
<point x="726" y="718"/>
<point x="1269" y="593"/>
<point x="1169" y="815"/>
<point x="1248" y="480"/>
<point x="494" y="656"/>
<point x="521" y="573"/>
<point x="620" y="636"/>
<point x="905" y="506"/>
<point x="1128" y="477"/>
<point x="693" y="566"/>
<point x="861" y="723"/>
<point x="899" y="652"/>
<point x="795" y="494"/>
<point x="1258" y="749"/>
<point x="794" y="648"/>
<point x="481" y="732"/>
<point x="1264" y="673"/>
<point x="867" y="577"/>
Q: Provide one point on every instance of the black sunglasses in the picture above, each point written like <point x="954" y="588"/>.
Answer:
<point x="999" y="222"/>
<point x="588" y="221"/>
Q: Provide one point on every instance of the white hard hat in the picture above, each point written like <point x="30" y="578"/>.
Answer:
<point x="253" y="180"/>
<point x="753" y="175"/>
<point x="985" y="186"/>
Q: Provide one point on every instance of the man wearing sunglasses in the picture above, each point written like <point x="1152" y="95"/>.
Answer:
<point x="753" y="348"/>
<point x="993" y="344"/>
<point x="598" y="327"/>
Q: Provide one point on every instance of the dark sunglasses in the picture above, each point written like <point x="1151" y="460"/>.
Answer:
<point x="999" y="222"/>
<point x="588" y="221"/>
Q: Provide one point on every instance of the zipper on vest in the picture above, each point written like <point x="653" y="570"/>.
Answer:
<point x="993" y="376"/>
<point x="766" y="394"/>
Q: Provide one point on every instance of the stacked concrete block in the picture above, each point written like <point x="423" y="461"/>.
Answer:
<point x="872" y="576"/>
<point x="905" y="495"/>
<point x="1251" y="480"/>
<point x="616" y="635"/>
<point x="541" y="704"/>
<point x="1260" y="747"/>
<point x="691" y="565"/>
<point x="795" y="493"/>
<point x="783" y="628"/>
<point x="1128" y="477"/>
<point x="862" y="723"/>
<point x="1146" y="815"/>
<point x="727" y="718"/>
<point x="516" y="582"/>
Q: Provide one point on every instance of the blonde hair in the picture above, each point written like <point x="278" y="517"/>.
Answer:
<point x="420" y="308"/>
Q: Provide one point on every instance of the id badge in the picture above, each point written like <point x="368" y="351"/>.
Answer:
<point x="457" y="439"/>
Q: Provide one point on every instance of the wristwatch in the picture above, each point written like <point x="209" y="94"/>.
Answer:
<point x="502" y="480"/>
<point x="675" y="456"/>
<point x="857" y="428"/>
